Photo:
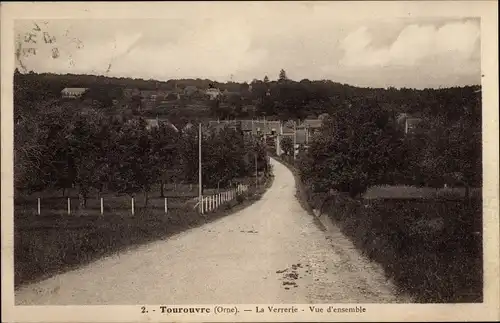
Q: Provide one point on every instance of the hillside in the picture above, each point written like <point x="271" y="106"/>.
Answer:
<point x="286" y="99"/>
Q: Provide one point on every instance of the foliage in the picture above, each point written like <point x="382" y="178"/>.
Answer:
<point x="284" y="97"/>
<point x="287" y="145"/>
<point x="91" y="151"/>
<point x="361" y="145"/>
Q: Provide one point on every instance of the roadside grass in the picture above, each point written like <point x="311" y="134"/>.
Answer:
<point x="55" y="242"/>
<point x="430" y="247"/>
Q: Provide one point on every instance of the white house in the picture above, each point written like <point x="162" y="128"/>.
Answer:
<point x="73" y="92"/>
<point x="213" y="93"/>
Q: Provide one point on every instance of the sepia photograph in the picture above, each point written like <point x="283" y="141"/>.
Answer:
<point x="229" y="154"/>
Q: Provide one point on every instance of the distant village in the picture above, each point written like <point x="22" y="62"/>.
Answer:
<point x="300" y="133"/>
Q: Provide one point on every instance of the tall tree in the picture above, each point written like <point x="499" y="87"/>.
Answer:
<point x="282" y="76"/>
<point x="356" y="150"/>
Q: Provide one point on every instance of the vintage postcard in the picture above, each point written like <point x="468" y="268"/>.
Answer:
<point x="250" y="161"/>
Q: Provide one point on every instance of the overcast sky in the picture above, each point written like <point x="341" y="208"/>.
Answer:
<point x="307" y="43"/>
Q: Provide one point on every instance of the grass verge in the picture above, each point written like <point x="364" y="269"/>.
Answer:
<point x="54" y="243"/>
<point x="431" y="248"/>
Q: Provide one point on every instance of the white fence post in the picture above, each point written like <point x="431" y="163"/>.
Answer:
<point x="102" y="206"/>
<point x="69" y="206"/>
<point x="38" y="207"/>
<point x="166" y="206"/>
<point x="132" y="206"/>
<point x="210" y="203"/>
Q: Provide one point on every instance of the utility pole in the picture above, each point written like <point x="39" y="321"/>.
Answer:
<point x="265" y="129"/>
<point x="294" y="138"/>
<point x="307" y="136"/>
<point x="200" y="188"/>
<point x="256" y="172"/>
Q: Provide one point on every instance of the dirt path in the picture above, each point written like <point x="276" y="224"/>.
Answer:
<point x="270" y="252"/>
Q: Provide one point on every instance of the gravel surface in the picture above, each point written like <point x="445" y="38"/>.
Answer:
<point x="271" y="252"/>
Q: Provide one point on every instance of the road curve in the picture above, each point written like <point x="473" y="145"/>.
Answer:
<point x="271" y="252"/>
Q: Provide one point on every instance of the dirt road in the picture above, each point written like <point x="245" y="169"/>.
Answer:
<point x="270" y="252"/>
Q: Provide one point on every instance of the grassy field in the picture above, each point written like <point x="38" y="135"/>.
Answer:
<point x="430" y="247"/>
<point x="55" y="241"/>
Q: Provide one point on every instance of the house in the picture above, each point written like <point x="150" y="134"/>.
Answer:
<point x="310" y="127"/>
<point x="155" y="123"/>
<point x="130" y="92"/>
<point x="411" y="125"/>
<point x="149" y="95"/>
<point x="260" y="127"/>
<point x="213" y="93"/>
<point x="73" y="92"/>
<point x="152" y="123"/>
<point x="218" y="125"/>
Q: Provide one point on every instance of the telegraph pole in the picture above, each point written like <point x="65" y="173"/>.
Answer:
<point x="265" y="129"/>
<point x="294" y="138"/>
<point x="200" y="188"/>
<point x="256" y="172"/>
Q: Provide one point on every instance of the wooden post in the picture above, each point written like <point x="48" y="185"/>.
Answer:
<point x="69" y="206"/>
<point x="38" y="208"/>
<point x="201" y="204"/>
<point x="102" y="206"/>
<point x="132" y="206"/>
<point x="166" y="206"/>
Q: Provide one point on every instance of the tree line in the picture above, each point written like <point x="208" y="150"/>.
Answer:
<point x="364" y="144"/>
<point x="59" y="149"/>
<point x="282" y="98"/>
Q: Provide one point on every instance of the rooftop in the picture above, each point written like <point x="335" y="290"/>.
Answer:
<point x="75" y="89"/>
